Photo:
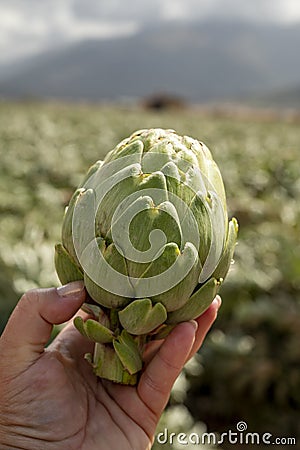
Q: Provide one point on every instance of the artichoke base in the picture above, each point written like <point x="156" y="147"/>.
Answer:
<point x="107" y="365"/>
<point x="118" y="353"/>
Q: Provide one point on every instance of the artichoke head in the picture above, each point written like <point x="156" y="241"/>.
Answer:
<point x="148" y="232"/>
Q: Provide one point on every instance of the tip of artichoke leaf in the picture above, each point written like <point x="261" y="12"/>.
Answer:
<point x="153" y="211"/>
<point x="177" y="250"/>
<point x="189" y="247"/>
<point x="92" y="310"/>
<point x="170" y="249"/>
<point x="84" y="191"/>
<point x="171" y="170"/>
<point x="189" y="253"/>
<point x="138" y="133"/>
<point x="168" y="208"/>
<point x="85" y="195"/>
<point x="168" y="246"/>
<point x="153" y="182"/>
<point x="147" y="201"/>
<point x="131" y="170"/>
<point x="235" y="224"/>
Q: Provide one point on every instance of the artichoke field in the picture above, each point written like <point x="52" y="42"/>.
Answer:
<point x="148" y="232"/>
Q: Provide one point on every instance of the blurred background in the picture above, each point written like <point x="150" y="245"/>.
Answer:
<point x="76" y="77"/>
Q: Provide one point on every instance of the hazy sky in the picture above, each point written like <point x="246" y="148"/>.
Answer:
<point x="29" y="26"/>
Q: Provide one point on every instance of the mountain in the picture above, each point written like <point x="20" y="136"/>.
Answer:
<point x="197" y="61"/>
<point x="286" y="98"/>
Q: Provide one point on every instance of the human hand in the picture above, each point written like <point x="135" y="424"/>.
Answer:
<point x="50" y="398"/>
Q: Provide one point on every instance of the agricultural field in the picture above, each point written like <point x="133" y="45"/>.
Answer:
<point x="248" y="369"/>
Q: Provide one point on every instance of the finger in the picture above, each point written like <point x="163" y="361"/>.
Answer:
<point x="30" y="325"/>
<point x="151" y="349"/>
<point x="205" y="322"/>
<point x="70" y="342"/>
<point x="157" y="380"/>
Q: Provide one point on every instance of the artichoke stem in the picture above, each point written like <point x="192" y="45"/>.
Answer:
<point x="107" y="365"/>
<point x="114" y="321"/>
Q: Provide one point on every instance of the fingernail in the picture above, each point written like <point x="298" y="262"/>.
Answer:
<point x="218" y="302"/>
<point x="70" y="289"/>
<point x="194" y="323"/>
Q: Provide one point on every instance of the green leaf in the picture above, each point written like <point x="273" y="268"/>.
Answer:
<point x="197" y="304"/>
<point x="98" y="332"/>
<point x="157" y="157"/>
<point x="226" y="259"/>
<point x="92" y="310"/>
<point x="178" y="295"/>
<point x="133" y="148"/>
<point x="94" y="330"/>
<point x="82" y="222"/>
<point x="153" y="181"/>
<point x="66" y="268"/>
<point x="89" y="176"/>
<point x="67" y="233"/>
<point x="128" y="352"/>
<point x="101" y="272"/>
<point x="115" y="189"/>
<point x="140" y="317"/>
<point x="79" y="325"/>
<point x="150" y="230"/>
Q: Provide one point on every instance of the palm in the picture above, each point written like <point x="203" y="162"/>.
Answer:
<point x="72" y="408"/>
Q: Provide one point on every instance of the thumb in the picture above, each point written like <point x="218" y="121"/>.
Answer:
<point x="30" y="325"/>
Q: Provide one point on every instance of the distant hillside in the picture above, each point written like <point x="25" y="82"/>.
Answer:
<point x="287" y="98"/>
<point x="199" y="62"/>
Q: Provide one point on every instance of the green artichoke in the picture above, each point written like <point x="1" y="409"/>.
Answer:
<point x="148" y="233"/>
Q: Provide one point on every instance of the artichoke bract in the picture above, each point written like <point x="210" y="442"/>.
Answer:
<point x="148" y="232"/>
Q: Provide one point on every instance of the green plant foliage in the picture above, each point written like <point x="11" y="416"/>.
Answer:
<point x="249" y="366"/>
